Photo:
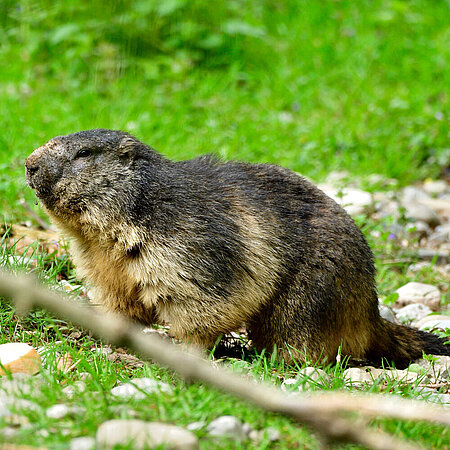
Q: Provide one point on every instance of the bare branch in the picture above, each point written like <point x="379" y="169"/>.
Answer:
<point x="325" y="412"/>
<point x="41" y="222"/>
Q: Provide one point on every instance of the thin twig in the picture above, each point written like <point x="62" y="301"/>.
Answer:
<point x="325" y="412"/>
<point x="43" y="224"/>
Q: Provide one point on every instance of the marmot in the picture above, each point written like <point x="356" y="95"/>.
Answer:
<point x="208" y="245"/>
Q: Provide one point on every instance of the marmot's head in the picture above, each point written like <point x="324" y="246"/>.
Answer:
<point x="89" y="171"/>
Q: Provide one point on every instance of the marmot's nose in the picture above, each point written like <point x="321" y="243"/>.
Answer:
<point x="32" y="169"/>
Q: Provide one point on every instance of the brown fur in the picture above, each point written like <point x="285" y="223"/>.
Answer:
<point x="208" y="246"/>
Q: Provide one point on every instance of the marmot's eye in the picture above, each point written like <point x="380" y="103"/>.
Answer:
<point x="84" y="153"/>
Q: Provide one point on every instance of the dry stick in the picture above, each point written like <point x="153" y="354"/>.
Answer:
<point x="321" y="411"/>
<point x="43" y="224"/>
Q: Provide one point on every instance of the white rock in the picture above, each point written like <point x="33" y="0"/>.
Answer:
<point x="311" y="377"/>
<point x="419" y="293"/>
<point x="354" y="201"/>
<point x="440" y="235"/>
<point x="19" y="357"/>
<point x="137" y="388"/>
<point x="434" y="322"/>
<point x="395" y="374"/>
<point x="420" y="212"/>
<point x="272" y="434"/>
<point x="414" y="194"/>
<point x="413" y="312"/>
<point x="269" y="433"/>
<point x="71" y="390"/>
<point x="144" y="435"/>
<point x="443" y="399"/>
<point x="357" y="376"/>
<point x="82" y="443"/>
<point x="102" y="351"/>
<point x="435" y="187"/>
<point x="288" y="383"/>
<point x="57" y="411"/>
<point x="4" y="411"/>
<point x="195" y="426"/>
<point x="228" y="426"/>
<point x="386" y="312"/>
<point x="438" y="368"/>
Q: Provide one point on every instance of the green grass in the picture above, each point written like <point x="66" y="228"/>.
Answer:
<point x="188" y="402"/>
<point x="312" y="85"/>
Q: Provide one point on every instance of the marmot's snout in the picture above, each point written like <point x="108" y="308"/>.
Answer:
<point x="41" y="171"/>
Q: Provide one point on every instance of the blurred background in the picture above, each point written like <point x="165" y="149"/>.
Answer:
<point x="314" y="85"/>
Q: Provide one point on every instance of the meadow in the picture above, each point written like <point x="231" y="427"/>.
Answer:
<point x="316" y="86"/>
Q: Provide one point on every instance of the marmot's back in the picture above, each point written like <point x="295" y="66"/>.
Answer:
<point x="207" y="246"/>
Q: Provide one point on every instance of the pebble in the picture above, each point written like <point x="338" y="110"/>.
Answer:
<point x="73" y="389"/>
<point x="82" y="443"/>
<point x="435" y="187"/>
<point x="386" y="313"/>
<point x="369" y="375"/>
<point x="227" y="426"/>
<point x="440" y="235"/>
<point x="312" y="377"/>
<point x="138" y="388"/>
<point x="439" y="366"/>
<point x="414" y="292"/>
<point x="144" y="435"/>
<point x="414" y="194"/>
<point x="288" y="383"/>
<point x="413" y="312"/>
<point x="57" y="411"/>
<point x="102" y="351"/>
<point x="420" y="212"/>
<point x="443" y="399"/>
<point x="434" y="321"/>
<point x="195" y="426"/>
<point x="357" y="376"/>
<point x="354" y="201"/>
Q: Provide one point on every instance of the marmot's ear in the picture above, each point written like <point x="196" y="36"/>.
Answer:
<point x="127" y="146"/>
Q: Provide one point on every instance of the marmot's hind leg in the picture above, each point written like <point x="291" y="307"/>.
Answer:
<point x="308" y="324"/>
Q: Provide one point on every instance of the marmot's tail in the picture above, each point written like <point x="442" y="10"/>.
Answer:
<point x="400" y="344"/>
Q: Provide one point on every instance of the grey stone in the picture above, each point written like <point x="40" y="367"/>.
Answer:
<point x="4" y="411"/>
<point x="57" y="411"/>
<point x="420" y="212"/>
<point x="386" y="313"/>
<point x="419" y="293"/>
<point x="137" y="388"/>
<point x="413" y="312"/>
<point x="354" y="201"/>
<point x="102" y="351"/>
<point x="144" y="435"/>
<point x="443" y="399"/>
<point x="438" y="368"/>
<point x="440" y="235"/>
<point x="227" y="426"/>
<point x="312" y="377"/>
<point x="269" y="433"/>
<point x="435" y="187"/>
<point x="20" y="384"/>
<point x="82" y="443"/>
<point x="84" y="376"/>
<point x="357" y="376"/>
<point x="73" y="389"/>
<point x="288" y="384"/>
<point x="418" y="229"/>
<point x="195" y="426"/>
<point x="9" y="432"/>
<point x="434" y="321"/>
<point x="414" y="194"/>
